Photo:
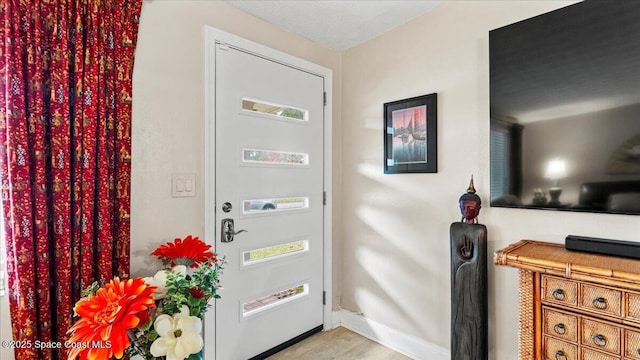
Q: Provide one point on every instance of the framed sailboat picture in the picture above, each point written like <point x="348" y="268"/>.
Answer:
<point x="410" y="135"/>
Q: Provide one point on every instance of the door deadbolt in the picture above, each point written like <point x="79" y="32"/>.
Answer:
<point x="227" y="231"/>
<point x="226" y="207"/>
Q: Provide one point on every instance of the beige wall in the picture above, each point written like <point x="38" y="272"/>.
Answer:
<point x="396" y="227"/>
<point x="168" y="116"/>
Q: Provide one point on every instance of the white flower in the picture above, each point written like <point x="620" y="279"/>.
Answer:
<point x="160" y="280"/>
<point x="179" y="335"/>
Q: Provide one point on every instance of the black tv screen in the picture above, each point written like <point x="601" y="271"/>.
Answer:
<point x="565" y="109"/>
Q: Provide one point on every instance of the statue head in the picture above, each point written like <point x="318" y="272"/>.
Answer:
<point x="470" y="204"/>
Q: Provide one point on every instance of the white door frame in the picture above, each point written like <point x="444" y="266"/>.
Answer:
<point x="211" y="37"/>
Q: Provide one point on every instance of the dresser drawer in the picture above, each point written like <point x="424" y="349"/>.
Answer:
<point x="633" y="307"/>
<point x="632" y="344"/>
<point x="559" y="350"/>
<point x="600" y="336"/>
<point x="560" y="324"/>
<point x="588" y="354"/>
<point x="559" y="290"/>
<point x="602" y="300"/>
<point x="596" y="295"/>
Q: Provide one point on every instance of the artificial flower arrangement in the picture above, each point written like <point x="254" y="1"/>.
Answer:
<point x="157" y="317"/>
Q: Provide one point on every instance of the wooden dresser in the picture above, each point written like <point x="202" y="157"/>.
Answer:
<point x="575" y="305"/>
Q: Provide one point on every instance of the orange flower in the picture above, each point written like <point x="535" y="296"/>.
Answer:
<point x="101" y="331"/>
<point x="188" y="252"/>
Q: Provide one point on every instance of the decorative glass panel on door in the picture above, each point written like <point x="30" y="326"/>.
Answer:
<point x="267" y="157"/>
<point x="276" y="204"/>
<point x="274" y="252"/>
<point x="275" y="110"/>
<point x="270" y="301"/>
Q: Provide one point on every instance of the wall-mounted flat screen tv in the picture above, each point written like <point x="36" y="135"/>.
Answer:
<point x="565" y="109"/>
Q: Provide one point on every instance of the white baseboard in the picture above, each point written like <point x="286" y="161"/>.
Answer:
<point x="405" y="344"/>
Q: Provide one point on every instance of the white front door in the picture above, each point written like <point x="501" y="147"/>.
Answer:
<point x="269" y="183"/>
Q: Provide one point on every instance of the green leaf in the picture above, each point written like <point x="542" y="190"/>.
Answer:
<point x="193" y="302"/>
<point x="196" y="356"/>
<point x="146" y="326"/>
<point x="153" y="335"/>
<point x="91" y="289"/>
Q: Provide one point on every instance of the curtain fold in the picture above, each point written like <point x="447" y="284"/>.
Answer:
<point x="65" y="145"/>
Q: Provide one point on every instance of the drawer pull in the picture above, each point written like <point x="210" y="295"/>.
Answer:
<point x="560" y="329"/>
<point x="558" y="294"/>
<point x="560" y="355"/>
<point x="599" y="340"/>
<point x="599" y="303"/>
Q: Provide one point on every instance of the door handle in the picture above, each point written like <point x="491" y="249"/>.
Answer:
<point x="228" y="231"/>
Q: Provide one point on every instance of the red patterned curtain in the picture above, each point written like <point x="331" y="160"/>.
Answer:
<point x="65" y="145"/>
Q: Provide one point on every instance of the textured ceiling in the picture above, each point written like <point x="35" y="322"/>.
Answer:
<point x="339" y="25"/>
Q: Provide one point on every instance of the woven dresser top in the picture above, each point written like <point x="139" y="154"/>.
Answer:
<point x="553" y="258"/>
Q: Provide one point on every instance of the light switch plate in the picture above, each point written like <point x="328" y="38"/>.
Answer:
<point x="183" y="185"/>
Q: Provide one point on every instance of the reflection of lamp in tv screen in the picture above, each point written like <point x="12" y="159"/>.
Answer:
<point x="556" y="169"/>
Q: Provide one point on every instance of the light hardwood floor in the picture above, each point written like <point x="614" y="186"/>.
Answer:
<point x="337" y="344"/>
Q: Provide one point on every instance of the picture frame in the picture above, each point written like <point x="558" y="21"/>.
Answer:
<point x="410" y="135"/>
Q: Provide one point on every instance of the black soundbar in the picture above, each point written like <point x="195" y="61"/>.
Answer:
<point x="622" y="248"/>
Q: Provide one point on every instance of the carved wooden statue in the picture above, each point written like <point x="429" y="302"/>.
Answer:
<point x="469" y="282"/>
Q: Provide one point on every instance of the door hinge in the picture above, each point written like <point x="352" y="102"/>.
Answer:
<point x="324" y="298"/>
<point x="324" y="198"/>
<point x="223" y="46"/>
<point x="324" y="98"/>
